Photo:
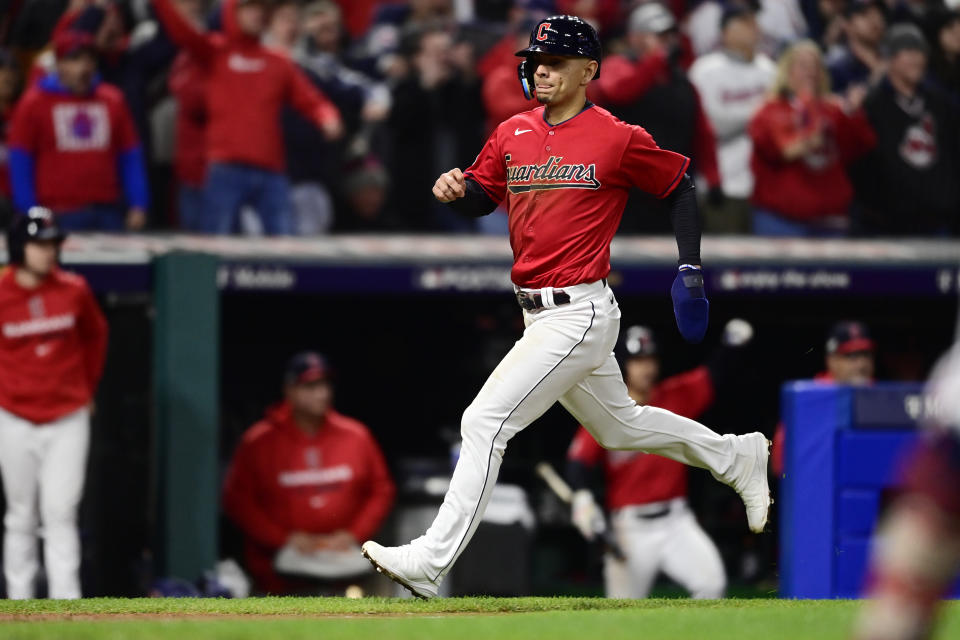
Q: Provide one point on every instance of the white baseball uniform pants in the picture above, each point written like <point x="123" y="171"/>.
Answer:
<point x="565" y="355"/>
<point x="673" y="543"/>
<point x="43" y="469"/>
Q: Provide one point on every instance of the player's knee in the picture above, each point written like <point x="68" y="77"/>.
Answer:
<point x="20" y="521"/>
<point x="56" y="515"/>
<point x="615" y="440"/>
<point x="469" y="422"/>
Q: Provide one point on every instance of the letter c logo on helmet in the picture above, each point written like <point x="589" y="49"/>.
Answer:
<point x="561" y="36"/>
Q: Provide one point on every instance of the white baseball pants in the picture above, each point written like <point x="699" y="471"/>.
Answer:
<point x="565" y="355"/>
<point x="673" y="543"/>
<point x="43" y="466"/>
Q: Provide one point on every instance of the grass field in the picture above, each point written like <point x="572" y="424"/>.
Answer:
<point x="443" y="619"/>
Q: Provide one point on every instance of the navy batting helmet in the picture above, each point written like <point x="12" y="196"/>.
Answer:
<point x="38" y="225"/>
<point x="635" y="342"/>
<point x="562" y="36"/>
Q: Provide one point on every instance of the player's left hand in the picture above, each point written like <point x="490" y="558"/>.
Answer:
<point x="690" y="305"/>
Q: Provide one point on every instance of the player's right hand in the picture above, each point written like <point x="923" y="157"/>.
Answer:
<point x="450" y="186"/>
<point x="586" y="514"/>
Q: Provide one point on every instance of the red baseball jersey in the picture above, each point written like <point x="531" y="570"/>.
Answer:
<point x="75" y="142"/>
<point x="53" y="341"/>
<point x="634" y="477"/>
<point x="565" y="188"/>
<point x="282" y="480"/>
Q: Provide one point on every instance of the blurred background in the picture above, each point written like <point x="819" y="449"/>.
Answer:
<point x="825" y="149"/>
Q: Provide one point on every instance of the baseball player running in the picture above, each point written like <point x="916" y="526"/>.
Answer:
<point x="647" y="494"/>
<point x="53" y="341"/>
<point x="564" y="170"/>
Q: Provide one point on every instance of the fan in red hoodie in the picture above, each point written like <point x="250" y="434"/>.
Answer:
<point x="803" y="140"/>
<point x="647" y="494"/>
<point x="73" y="146"/>
<point x="306" y="477"/>
<point x="53" y="341"/>
<point x="247" y="86"/>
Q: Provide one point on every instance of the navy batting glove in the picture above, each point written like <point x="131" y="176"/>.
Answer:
<point x="690" y="304"/>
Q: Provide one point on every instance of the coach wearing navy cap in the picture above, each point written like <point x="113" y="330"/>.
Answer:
<point x="850" y="360"/>
<point x="305" y="479"/>
<point x="850" y="354"/>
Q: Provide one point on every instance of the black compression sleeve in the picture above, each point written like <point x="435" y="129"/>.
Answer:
<point x="685" y="217"/>
<point x="475" y="203"/>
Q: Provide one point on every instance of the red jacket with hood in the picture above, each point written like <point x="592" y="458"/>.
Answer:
<point x="247" y="85"/>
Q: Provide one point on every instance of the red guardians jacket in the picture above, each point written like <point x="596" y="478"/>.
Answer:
<point x="283" y="480"/>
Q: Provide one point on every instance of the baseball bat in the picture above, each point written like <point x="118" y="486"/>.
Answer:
<point x="563" y="491"/>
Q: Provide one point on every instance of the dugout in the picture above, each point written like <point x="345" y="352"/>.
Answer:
<point x="200" y="328"/>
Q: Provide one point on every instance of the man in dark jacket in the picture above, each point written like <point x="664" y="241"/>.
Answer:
<point x="907" y="185"/>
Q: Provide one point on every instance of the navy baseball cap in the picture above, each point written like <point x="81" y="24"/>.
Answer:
<point x="849" y="336"/>
<point x="306" y="367"/>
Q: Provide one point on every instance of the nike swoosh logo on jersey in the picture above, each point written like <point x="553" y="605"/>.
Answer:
<point x="518" y="131"/>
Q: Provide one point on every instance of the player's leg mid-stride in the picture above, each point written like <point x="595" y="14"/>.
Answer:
<point x="564" y="355"/>
<point x="567" y="210"/>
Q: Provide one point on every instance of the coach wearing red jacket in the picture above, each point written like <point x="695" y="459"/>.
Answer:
<point x="305" y="476"/>
<point x="247" y="86"/>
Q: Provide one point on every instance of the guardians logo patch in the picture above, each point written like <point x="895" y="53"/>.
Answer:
<point x="552" y="174"/>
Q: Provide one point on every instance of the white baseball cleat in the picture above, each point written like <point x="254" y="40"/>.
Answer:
<point x="400" y="565"/>
<point x="749" y="479"/>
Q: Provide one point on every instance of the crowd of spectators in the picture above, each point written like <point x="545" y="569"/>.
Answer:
<point x="802" y="117"/>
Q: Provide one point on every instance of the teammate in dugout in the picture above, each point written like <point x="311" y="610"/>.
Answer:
<point x="306" y="476"/>
<point x="647" y="494"/>
<point x="564" y="170"/>
<point x="53" y="342"/>
<point x="850" y="360"/>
